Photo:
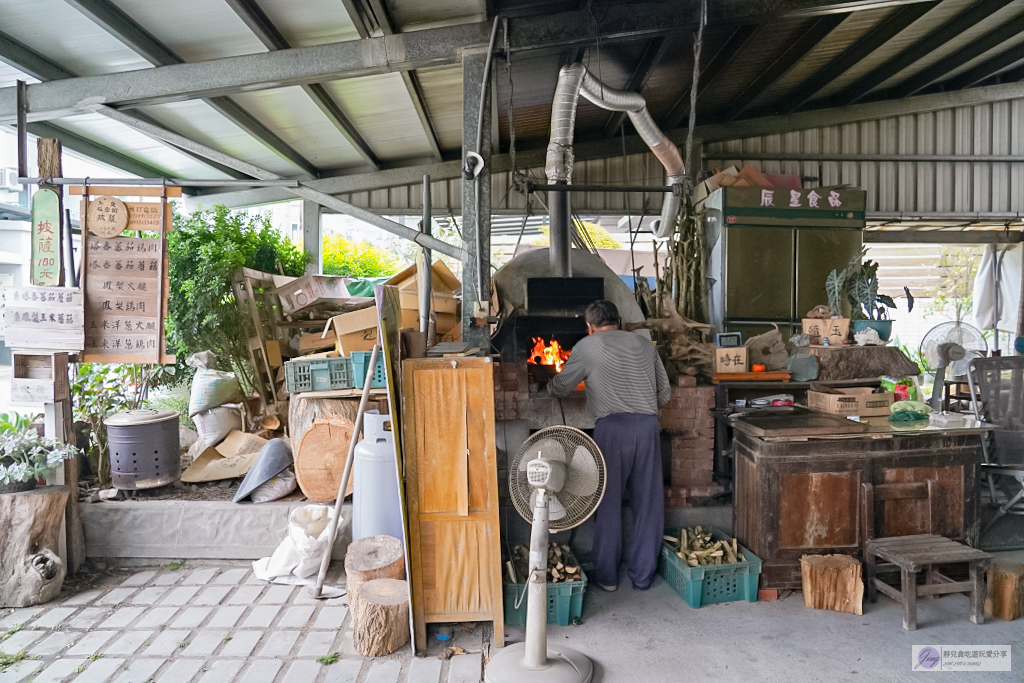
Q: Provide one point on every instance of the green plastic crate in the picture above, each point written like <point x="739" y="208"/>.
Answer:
<point x="710" y="584"/>
<point x="361" y="368"/>
<point x="565" y="602"/>
<point x="319" y="374"/>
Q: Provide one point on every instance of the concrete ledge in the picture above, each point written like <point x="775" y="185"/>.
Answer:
<point x="176" y="529"/>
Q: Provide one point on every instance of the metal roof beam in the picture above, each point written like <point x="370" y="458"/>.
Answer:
<point x="918" y="50"/>
<point x="879" y="36"/>
<point x="801" y="47"/>
<point x="26" y="59"/>
<point x="653" y="52"/>
<point x="986" y="69"/>
<point x="261" y="25"/>
<point x="350" y="59"/>
<point x="118" y="24"/>
<point x="93" y="150"/>
<point x="975" y="48"/>
<point x="604" y="148"/>
<point x="732" y="47"/>
<point x="411" y="80"/>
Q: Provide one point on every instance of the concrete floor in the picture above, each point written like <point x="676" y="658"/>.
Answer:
<point x="655" y="636"/>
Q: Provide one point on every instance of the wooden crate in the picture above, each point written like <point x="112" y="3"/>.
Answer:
<point x="40" y="378"/>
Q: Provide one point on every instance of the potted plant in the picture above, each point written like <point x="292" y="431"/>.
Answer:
<point x="870" y="309"/>
<point x="25" y="456"/>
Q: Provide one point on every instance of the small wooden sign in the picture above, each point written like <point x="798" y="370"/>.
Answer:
<point x="108" y="216"/>
<point x="44" y="318"/>
<point x="45" y="238"/>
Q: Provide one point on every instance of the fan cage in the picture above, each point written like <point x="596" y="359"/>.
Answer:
<point x="577" y="508"/>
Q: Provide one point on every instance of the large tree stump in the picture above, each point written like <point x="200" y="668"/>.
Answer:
<point x="1005" y="590"/>
<point x="319" y="432"/>
<point x="373" y="557"/>
<point x="857" y="362"/>
<point x="832" y="582"/>
<point x="30" y="570"/>
<point x="380" y="620"/>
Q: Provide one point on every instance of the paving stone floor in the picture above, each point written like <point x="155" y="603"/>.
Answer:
<point x="208" y="624"/>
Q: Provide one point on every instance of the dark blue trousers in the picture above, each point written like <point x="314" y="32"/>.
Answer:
<point x="631" y="445"/>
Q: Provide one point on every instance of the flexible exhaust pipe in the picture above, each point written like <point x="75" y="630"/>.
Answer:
<point x="575" y="80"/>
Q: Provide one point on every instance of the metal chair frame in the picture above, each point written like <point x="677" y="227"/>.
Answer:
<point x="999" y="400"/>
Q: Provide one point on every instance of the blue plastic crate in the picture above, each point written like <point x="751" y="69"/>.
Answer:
<point x="319" y="374"/>
<point x="565" y="602"/>
<point x="714" y="583"/>
<point x="360" y="369"/>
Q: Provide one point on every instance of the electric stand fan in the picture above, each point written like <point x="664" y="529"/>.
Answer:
<point x="950" y="345"/>
<point x="556" y="482"/>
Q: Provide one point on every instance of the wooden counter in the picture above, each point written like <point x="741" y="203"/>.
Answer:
<point x="798" y="495"/>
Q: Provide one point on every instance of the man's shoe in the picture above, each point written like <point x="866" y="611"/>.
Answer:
<point x="607" y="589"/>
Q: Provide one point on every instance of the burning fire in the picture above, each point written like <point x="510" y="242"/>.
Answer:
<point x="552" y="354"/>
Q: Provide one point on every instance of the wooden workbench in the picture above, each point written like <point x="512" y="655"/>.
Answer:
<point x="798" y="495"/>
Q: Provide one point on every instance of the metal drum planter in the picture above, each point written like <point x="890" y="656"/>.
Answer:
<point x="144" y="448"/>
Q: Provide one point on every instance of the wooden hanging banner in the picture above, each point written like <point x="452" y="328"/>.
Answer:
<point x="108" y="216"/>
<point x="46" y="244"/>
<point x="49" y="318"/>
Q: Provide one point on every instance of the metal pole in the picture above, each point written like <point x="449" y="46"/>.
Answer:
<point x="332" y="529"/>
<point x="71" y="279"/>
<point x="425" y="280"/>
<point x="560" y="212"/>
<point x="22" y="104"/>
<point x="170" y="182"/>
<point x="536" y="583"/>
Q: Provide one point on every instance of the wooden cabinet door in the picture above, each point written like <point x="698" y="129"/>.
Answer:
<point x="451" y="485"/>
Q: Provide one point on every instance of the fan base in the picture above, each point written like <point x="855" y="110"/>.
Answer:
<point x="565" y="665"/>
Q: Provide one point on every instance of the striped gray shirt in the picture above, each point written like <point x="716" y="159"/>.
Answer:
<point x="623" y="372"/>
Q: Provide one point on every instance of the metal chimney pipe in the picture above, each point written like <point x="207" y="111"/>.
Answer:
<point x="561" y="212"/>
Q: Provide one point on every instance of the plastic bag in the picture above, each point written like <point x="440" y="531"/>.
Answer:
<point x="215" y="424"/>
<point x="278" y="486"/>
<point x="905" y="388"/>
<point x="212" y="388"/>
<point x="301" y="551"/>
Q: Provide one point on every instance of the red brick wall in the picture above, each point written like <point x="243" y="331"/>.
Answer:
<point x="688" y="421"/>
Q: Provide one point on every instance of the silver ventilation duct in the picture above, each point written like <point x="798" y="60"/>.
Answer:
<point x="574" y="80"/>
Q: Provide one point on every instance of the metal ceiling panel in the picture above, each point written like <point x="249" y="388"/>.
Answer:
<point x="984" y="57"/>
<point x="134" y="144"/>
<point x="442" y="95"/>
<point x="382" y="110"/>
<point x="853" y="28"/>
<point x="969" y="188"/>
<point x="946" y="11"/>
<point x="411" y="14"/>
<point x="9" y="76"/>
<point x="292" y="115"/>
<point x="310" y="22"/>
<point x="196" y="30"/>
<point x="966" y="38"/>
<point x="198" y="121"/>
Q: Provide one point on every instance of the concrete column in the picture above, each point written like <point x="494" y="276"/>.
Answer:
<point x="476" y="201"/>
<point x="312" y="238"/>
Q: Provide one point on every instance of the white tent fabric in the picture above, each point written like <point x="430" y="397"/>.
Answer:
<point x="1009" y="285"/>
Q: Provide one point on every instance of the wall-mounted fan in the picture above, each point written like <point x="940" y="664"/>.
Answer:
<point x="556" y="481"/>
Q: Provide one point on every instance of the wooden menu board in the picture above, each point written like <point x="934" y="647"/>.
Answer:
<point x="125" y="284"/>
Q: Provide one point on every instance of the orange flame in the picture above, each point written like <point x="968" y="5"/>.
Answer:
<point x="551" y="354"/>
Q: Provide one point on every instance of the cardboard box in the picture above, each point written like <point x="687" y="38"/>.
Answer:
<point x="231" y="458"/>
<point x="298" y="293"/>
<point x="835" y="329"/>
<point x="860" y="401"/>
<point x="443" y="285"/>
<point x="355" y="331"/>
<point x="733" y="359"/>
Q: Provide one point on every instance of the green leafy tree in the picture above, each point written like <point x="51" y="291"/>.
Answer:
<point x="954" y="294"/>
<point x="592" y="234"/>
<point x="205" y="248"/>
<point x="356" y="259"/>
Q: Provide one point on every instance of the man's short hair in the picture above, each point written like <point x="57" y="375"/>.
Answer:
<point x="602" y="313"/>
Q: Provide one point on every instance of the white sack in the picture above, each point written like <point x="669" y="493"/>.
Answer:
<point x="278" y="486"/>
<point x="1009" y="288"/>
<point x="301" y="551"/>
<point x="215" y="424"/>
<point x="212" y="388"/>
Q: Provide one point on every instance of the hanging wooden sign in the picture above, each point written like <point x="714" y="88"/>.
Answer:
<point x="46" y="244"/>
<point x="44" y="318"/>
<point x="125" y="285"/>
<point x="108" y="216"/>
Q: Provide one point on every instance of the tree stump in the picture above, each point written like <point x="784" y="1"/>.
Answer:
<point x="380" y="620"/>
<point x="856" y="362"/>
<point x="319" y="431"/>
<point x="1005" y="590"/>
<point x="31" y="573"/>
<point x="373" y="557"/>
<point x="832" y="582"/>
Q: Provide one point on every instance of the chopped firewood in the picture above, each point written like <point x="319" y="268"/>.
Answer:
<point x="561" y="566"/>
<point x="270" y="422"/>
<point x="695" y="548"/>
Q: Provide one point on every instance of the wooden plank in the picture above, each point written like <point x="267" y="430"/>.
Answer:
<point x="50" y="318"/>
<point x="819" y="510"/>
<point x="903" y="517"/>
<point x="774" y="376"/>
<point x="127" y="191"/>
<point x="945" y="588"/>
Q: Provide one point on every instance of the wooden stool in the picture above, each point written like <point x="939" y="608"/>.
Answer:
<point x="909" y="554"/>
